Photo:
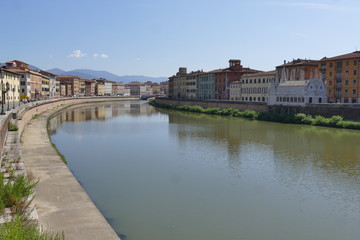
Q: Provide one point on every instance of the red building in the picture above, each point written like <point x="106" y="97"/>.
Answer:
<point x="223" y="78"/>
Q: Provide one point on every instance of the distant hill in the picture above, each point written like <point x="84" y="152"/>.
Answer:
<point x="57" y="71"/>
<point x="91" y="74"/>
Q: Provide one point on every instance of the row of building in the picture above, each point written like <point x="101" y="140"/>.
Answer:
<point x="297" y="82"/>
<point x="19" y="82"/>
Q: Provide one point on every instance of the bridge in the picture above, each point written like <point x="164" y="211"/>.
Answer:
<point x="146" y="97"/>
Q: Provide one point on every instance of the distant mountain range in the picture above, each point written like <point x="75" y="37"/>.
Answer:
<point x="91" y="74"/>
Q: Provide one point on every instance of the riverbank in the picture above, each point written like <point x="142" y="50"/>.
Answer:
<point x="297" y="118"/>
<point x="61" y="203"/>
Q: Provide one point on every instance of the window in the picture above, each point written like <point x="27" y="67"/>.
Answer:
<point x="347" y="73"/>
<point x="354" y="81"/>
<point x="346" y="82"/>
<point x="330" y="74"/>
<point x="331" y="64"/>
<point x="355" y="72"/>
<point x="347" y="63"/>
<point x="346" y="91"/>
<point x="355" y="62"/>
<point x="354" y="91"/>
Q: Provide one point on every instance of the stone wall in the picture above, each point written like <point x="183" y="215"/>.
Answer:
<point x="259" y="107"/>
<point x="350" y="112"/>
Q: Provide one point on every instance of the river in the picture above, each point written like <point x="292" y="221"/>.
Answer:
<point x="166" y="175"/>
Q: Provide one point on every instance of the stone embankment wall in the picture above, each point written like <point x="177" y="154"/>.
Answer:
<point x="259" y="107"/>
<point x="350" y="112"/>
<point x="22" y="114"/>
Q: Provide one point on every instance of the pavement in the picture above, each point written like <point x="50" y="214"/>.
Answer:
<point x="61" y="203"/>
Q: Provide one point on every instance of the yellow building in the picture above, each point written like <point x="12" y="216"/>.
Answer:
<point x="11" y="85"/>
<point x="99" y="89"/>
<point x="75" y="86"/>
<point x="341" y="77"/>
<point x="235" y="88"/>
<point x="36" y="81"/>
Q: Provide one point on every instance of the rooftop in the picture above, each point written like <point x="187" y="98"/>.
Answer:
<point x="355" y="54"/>
<point x="299" y="62"/>
<point x="260" y="74"/>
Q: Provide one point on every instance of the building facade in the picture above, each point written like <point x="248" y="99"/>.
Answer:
<point x="223" y="78"/>
<point x="52" y="83"/>
<point x="235" y="91"/>
<point x="206" y="86"/>
<point x="302" y="87"/>
<point x="342" y="78"/>
<point x="255" y="87"/>
<point x="75" y="86"/>
<point x="10" y="86"/>
<point x="177" y="84"/>
<point x="89" y="87"/>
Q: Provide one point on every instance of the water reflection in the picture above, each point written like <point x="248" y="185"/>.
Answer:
<point x="293" y="145"/>
<point x="100" y="112"/>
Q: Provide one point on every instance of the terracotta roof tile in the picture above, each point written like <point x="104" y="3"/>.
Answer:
<point x="299" y="62"/>
<point x="355" y="54"/>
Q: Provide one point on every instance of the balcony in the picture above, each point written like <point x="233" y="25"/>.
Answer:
<point x="338" y="85"/>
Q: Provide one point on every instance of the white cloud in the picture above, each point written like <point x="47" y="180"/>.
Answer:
<point x="100" y="55"/>
<point x="77" y="54"/>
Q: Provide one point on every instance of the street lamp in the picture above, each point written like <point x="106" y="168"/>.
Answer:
<point x="7" y="93"/>
<point x="13" y="90"/>
<point x="2" y="91"/>
<point x="19" y="96"/>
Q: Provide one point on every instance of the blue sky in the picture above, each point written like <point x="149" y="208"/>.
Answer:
<point x="156" y="37"/>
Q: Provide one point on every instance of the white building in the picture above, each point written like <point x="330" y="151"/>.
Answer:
<point x="255" y="86"/>
<point x="108" y="88"/>
<point x="297" y="92"/>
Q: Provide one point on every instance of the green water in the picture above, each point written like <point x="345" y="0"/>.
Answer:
<point x="161" y="175"/>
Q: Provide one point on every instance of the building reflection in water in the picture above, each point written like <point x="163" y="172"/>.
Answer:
<point x="298" y="148"/>
<point x="100" y="112"/>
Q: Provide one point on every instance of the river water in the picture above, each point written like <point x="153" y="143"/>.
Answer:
<point x="166" y="175"/>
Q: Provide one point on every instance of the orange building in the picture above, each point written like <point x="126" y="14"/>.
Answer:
<point x="299" y="69"/>
<point x="341" y="77"/>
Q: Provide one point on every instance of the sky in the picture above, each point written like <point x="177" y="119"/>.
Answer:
<point x="156" y="37"/>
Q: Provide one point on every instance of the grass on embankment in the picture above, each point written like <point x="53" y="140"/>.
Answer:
<point x="298" y="118"/>
<point x="16" y="195"/>
<point x="21" y="228"/>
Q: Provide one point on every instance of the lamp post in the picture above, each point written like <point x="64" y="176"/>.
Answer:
<point x="7" y="93"/>
<point x="2" y="92"/>
<point x="19" y="96"/>
<point x="13" y="90"/>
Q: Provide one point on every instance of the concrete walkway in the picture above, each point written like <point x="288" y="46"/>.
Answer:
<point x="61" y="203"/>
